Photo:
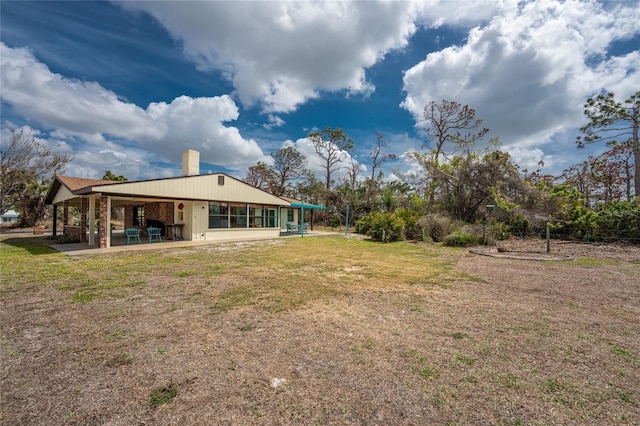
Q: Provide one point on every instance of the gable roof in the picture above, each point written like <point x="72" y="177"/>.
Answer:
<point x="73" y="184"/>
<point x="197" y="187"/>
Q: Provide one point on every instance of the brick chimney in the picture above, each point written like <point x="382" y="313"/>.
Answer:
<point x="190" y="162"/>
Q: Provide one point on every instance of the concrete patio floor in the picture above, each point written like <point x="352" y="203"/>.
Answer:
<point x="118" y="244"/>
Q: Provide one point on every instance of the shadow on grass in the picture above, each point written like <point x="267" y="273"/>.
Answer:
<point x="37" y="245"/>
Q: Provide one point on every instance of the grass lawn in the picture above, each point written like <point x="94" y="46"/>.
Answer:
<point x="323" y="330"/>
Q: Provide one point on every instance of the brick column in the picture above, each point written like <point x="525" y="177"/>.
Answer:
<point x="83" y="219"/>
<point x="104" y="222"/>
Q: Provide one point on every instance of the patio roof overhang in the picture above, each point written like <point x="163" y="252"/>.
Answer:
<point x="309" y="206"/>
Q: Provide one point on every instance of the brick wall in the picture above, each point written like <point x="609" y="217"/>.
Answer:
<point x="159" y="211"/>
<point x="154" y="211"/>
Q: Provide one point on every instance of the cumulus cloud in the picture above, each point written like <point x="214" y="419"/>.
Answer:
<point x="281" y="54"/>
<point x="48" y="98"/>
<point x="88" y="114"/>
<point x="530" y="69"/>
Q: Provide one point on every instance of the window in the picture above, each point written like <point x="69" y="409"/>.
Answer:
<point x="271" y="218"/>
<point x="138" y="216"/>
<point x="238" y="216"/>
<point x="289" y="215"/>
<point x="218" y="215"/>
<point x="256" y="216"/>
<point x="220" y="180"/>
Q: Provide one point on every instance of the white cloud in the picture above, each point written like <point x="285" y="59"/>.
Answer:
<point x="281" y="54"/>
<point x="527" y="72"/>
<point x="54" y="101"/>
<point x="88" y="115"/>
<point x="274" y="121"/>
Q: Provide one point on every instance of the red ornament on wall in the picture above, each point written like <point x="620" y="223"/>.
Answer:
<point x="180" y="206"/>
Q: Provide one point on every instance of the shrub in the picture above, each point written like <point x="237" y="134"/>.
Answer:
<point x="460" y="239"/>
<point x="500" y="230"/>
<point x="65" y="239"/>
<point x="519" y="225"/>
<point x="412" y="229"/>
<point x="434" y="226"/>
<point x="363" y="225"/>
<point x="385" y="227"/>
<point x="619" y="220"/>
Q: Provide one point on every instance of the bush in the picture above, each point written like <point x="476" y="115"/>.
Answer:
<point x="383" y="227"/>
<point x="500" y="230"/>
<point x="461" y="239"/>
<point x="519" y="225"/>
<point x="434" y="226"/>
<point x="363" y="225"/>
<point x="65" y="239"/>
<point x="619" y="220"/>
<point x="412" y="229"/>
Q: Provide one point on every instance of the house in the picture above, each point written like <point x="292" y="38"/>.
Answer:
<point x="190" y="207"/>
<point x="9" y="217"/>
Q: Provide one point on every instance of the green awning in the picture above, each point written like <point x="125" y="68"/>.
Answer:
<point x="309" y="206"/>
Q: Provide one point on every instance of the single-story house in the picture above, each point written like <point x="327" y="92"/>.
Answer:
<point x="9" y="217"/>
<point x="191" y="207"/>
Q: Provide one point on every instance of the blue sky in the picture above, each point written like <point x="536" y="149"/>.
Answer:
<point x="127" y="86"/>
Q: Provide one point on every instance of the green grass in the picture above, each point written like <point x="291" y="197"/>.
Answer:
<point x="275" y="277"/>
<point x="162" y="395"/>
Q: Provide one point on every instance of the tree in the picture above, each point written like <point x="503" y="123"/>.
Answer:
<point x="27" y="167"/>
<point x="288" y="165"/>
<point x="260" y="176"/>
<point x="446" y="123"/>
<point x="610" y="120"/>
<point x="110" y="176"/>
<point x="376" y="155"/>
<point x="332" y="145"/>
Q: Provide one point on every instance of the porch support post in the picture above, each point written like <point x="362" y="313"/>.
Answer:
<point x="105" y="221"/>
<point x="83" y="219"/>
<point x="55" y="220"/>
<point x="92" y="220"/>
<point x="65" y="212"/>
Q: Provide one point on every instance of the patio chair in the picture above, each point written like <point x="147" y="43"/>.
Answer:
<point x="292" y="227"/>
<point x="132" y="233"/>
<point x="154" y="233"/>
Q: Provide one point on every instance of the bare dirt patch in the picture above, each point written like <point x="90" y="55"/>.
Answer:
<point x="490" y="341"/>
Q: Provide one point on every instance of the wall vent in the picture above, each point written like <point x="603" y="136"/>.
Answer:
<point x="220" y="180"/>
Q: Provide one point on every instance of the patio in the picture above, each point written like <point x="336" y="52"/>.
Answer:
<point x="119" y="243"/>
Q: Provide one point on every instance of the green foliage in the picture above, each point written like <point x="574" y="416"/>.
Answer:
<point x="412" y="230"/>
<point x="460" y="239"/>
<point x="108" y="175"/>
<point x="619" y="220"/>
<point x="616" y="220"/>
<point x="386" y="227"/>
<point x="500" y="231"/>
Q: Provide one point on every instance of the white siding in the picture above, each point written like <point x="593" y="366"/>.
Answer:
<point x="63" y="194"/>
<point x="203" y="187"/>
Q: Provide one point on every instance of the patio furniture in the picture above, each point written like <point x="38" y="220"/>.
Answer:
<point x="154" y="233"/>
<point x="292" y="227"/>
<point x="132" y="233"/>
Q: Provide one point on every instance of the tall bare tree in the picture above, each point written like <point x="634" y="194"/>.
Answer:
<point x="376" y="154"/>
<point x="27" y="166"/>
<point x="454" y="123"/>
<point x="611" y="120"/>
<point x="332" y="145"/>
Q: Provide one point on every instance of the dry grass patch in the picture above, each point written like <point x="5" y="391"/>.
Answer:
<point x="316" y="331"/>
